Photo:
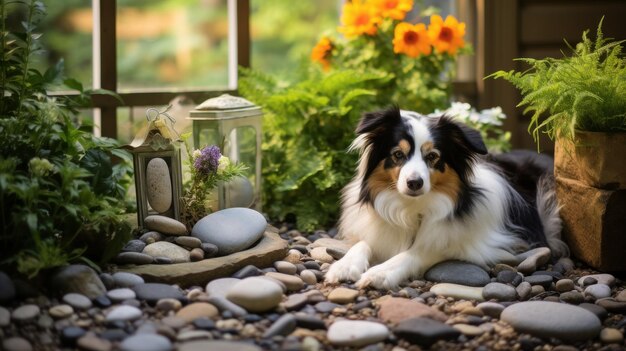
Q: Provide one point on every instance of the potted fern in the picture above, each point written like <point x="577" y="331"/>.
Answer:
<point x="580" y="102"/>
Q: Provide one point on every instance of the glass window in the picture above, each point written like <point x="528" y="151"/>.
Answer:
<point x="172" y="44"/>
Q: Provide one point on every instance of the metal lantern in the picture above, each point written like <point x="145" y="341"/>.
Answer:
<point x="156" y="161"/>
<point x="237" y="123"/>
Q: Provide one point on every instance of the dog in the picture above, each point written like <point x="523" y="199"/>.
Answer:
<point x="426" y="191"/>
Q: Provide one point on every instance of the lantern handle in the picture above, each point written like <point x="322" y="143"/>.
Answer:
<point x="152" y="114"/>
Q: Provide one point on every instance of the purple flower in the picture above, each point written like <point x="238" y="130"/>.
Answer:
<point x="208" y="160"/>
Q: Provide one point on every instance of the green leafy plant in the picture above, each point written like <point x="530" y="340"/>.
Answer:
<point x="584" y="91"/>
<point x="207" y="168"/>
<point x="61" y="197"/>
<point x="308" y="127"/>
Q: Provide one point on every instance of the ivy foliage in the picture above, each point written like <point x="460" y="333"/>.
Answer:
<point x="584" y="91"/>
<point x="308" y="127"/>
<point x="61" y="197"/>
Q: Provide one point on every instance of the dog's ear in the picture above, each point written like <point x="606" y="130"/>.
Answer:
<point x="460" y="134"/>
<point x="377" y="121"/>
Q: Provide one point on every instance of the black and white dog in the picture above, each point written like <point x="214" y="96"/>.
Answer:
<point x="423" y="193"/>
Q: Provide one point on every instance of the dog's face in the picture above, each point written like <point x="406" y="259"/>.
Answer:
<point x="414" y="156"/>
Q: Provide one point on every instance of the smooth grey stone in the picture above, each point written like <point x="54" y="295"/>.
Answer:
<point x="127" y="280"/>
<point x="133" y="258"/>
<point x="77" y="301"/>
<point x="123" y="313"/>
<point x="256" y="294"/>
<point x="524" y="289"/>
<point x="335" y="252"/>
<point x="507" y="277"/>
<point x="326" y="307"/>
<point x="102" y="301"/>
<point x="612" y="305"/>
<point x="283" y="326"/>
<point x="7" y="288"/>
<point x="499" y="291"/>
<point x="188" y="241"/>
<point x="356" y="333"/>
<point x="223" y="304"/>
<point x="247" y="271"/>
<point x="285" y="267"/>
<point x="231" y="230"/>
<point x="219" y="345"/>
<point x="221" y="286"/>
<point x="209" y="249"/>
<point x="146" y="342"/>
<point x="5" y="317"/>
<point x="310" y="322"/>
<point x="153" y="292"/>
<point x="491" y="309"/>
<point x="134" y="246"/>
<point x="598" y="291"/>
<point x="164" y="249"/>
<point x="163" y="260"/>
<point x="16" y="344"/>
<point x="114" y="334"/>
<point x="543" y="280"/>
<point x="295" y="301"/>
<point x="425" y="331"/>
<point x="458" y="272"/>
<point x="69" y="335"/>
<point x="121" y="294"/>
<point x="78" y="279"/>
<point x="165" y="225"/>
<point x="151" y="236"/>
<point x="25" y="313"/>
<point x="599" y="311"/>
<point x="573" y="297"/>
<point x="550" y="319"/>
<point x="312" y="265"/>
<point x="107" y="280"/>
<point x="555" y="275"/>
<point x="203" y="323"/>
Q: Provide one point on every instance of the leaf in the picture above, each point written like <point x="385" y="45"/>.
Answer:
<point x="73" y="84"/>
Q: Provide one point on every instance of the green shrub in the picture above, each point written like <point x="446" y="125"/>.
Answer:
<point x="585" y="91"/>
<point x="308" y="127"/>
<point x="61" y="198"/>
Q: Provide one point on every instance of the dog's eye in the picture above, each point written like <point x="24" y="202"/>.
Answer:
<point x="431" y="156"/>
<point x="398" y="155"/>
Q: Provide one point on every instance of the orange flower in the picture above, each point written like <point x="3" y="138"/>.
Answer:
<point x="446" y="36"/>
<point x="359" y="18"/>
<point x="321" y="52"/>
<point x="411" y="40"/>
<point x="395" y="9"/>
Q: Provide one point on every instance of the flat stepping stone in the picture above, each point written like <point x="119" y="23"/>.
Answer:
<point x="256" y="294"/>
<point x="271" y="248"/>
<point x="356" y="333"/>
<point x="551" y="319"/>
<point x="425" y="331"/>
<point x="458" y="291"/>
<point x="458" y="272"/>
<point x="153" y="292"/>
<point x="146" y="342"/>
<point x="231" y="230"/>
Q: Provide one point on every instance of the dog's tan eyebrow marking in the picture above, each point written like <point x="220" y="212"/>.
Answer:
<point x="427" y="146"/>
<point x="404" y="146"/>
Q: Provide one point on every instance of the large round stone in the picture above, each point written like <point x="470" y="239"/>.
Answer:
<point x="164" y="249"/>
<point x="551" y="319"/>
<point x="78" y="279"/>
<point x="159" y="185"/>
<point x="256" y="294"/>
<point x="458" y="272"/>
<point x="231" y="230"/>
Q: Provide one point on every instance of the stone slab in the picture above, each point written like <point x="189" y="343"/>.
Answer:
<point x="270" y="248"/>
<point x="593" y="223"/>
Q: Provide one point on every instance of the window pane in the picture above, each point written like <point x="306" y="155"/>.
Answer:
<point x="67" y="35"/>
<point x="172" y="44"/>
<point x="283" y="32"/>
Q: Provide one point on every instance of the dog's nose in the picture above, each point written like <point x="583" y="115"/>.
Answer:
<point x="415" y="184"/>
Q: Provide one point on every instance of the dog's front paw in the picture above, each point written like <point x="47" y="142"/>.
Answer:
<point x="380" y="278"/>
<point x="346" y="269"/>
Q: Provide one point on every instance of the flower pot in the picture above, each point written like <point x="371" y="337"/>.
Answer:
<point x="591" y="187"/>
<point x="597" y="159"/>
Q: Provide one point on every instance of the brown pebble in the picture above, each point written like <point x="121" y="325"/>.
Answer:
<point x="196" y="255"/>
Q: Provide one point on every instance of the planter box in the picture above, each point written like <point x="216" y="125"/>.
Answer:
<point x="594" y="223"/>
<point x="597" y="159"/>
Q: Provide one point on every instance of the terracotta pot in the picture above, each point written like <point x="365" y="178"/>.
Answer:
<point x="597" y="159"/>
